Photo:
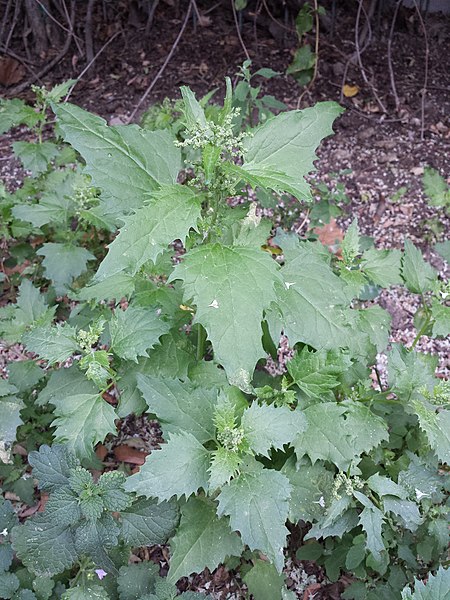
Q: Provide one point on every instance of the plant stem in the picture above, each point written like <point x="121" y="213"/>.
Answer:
<point x="201" y="339"/>
<point x="421" y="331"/>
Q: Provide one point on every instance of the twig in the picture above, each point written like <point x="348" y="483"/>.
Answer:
<point x="52" y="63"/>
<point x="389" y="56"/>
<point x="316" y="51"/>
<point x="275" y="20"/>
<point x="52" y="18"/>
<point x="5" y="19"/>
<point x="247" y="55"/>
<point x="88" y="42"/>
<point x="151" y="15"/>
<point x="425" y="77"/>
<point x="88" y="66"/>
<point x="165" y="63"/>
<point x="13" y="25"/>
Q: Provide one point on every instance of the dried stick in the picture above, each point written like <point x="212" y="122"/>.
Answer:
<point x="276" y="20"/>
<point x="238" y="31"/>
<point x="5" y="19"/>
<point x="21" y="87"/>
<point x="389" y="56"/>
<point x="425" y="77"/>
<point x="151" y="15"/>
<point x="165" y="63"/>
<point x="88" y="66"/>
<point x="52" y="18"/>
<point x="88" y="42"/>
<point x="14" y="23"/>
<point x="316" y="51"/>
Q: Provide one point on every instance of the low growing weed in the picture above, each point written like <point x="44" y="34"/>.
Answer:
<point x="184" y="336"/>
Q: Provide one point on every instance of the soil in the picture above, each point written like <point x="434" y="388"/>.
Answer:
<point x="378" y="152"/>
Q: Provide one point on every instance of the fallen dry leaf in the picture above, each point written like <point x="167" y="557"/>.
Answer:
<point x="350" y="90"/>
<point x="11" y="71"/>
<point x="129" y="455"/>
<point x="331" y="235"/>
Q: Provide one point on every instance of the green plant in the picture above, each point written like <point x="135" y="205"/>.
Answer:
<point x="304" y="63"/>
<point x="244" y="452"/>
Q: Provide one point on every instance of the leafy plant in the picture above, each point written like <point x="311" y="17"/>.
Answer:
<point x="179" y="320"/>
<point x="305" y="58"/>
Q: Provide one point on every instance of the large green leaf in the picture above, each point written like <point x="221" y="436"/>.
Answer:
<point x="82" y="421"/>
<point x="126" y="162"/>
<point x="169" y="216"/>
<point x="436" y="426"/>
<point x="285" y="424"/>
<point x="44" y="546"/>
<point x="382" y="266"/>
<point x="62" y="382"/>
<point x="314" y="303"/>
<point x="147" y="523"/>
<point x="52" y="466"/>
<point x="63" y="263"/>
<point x="257" y="504"/>
<point x="180" y="406"/>
<point x="339" y="433"/>
<point x="286" y="144"/>
<point x="202" y="540"/>
<point x="179" y="468"/>
<point x="231" y="287"/>
<point x="134" y="331"/>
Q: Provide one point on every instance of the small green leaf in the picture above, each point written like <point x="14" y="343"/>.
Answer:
<point x="63" y="263"/>
<point x="35" y="157"/>
<point x="436" y="188"/>
<point x="317" y="373"/>
<point x="54" y="344"/>
<point x="382" y="266"/>
<point x="202" y="540"/>
<point x="419" y="276"/>
<point x="134" y="331"/>
<point x="82" y="421"/>
<point x="10" y="407"/>
<point x="263" y="581"/>
<point x="134" y="581"/>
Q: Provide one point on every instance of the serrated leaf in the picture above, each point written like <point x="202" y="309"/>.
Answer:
<point x="405" y="509"/>
<point x="436" y="426"/>
<point x="54" y="344"/>
<point x="14" y="112"/>
<point x="202" y="540"/>
<point x="35" y="157"/>
<point x="375" y="321"/>
<point x="382" y="266"/>
<point x="95" y="537"/>
<point x="63" y="507"/>
<point x="6" y="556"/>
<point x="287" y="144"/>
<point x="339" y="433"/>
<point x="120" y="285"/>
<point x="263" y="581"/>
<point x="134" y="581"/>
<point x="25" y="375"/>
<point x="134" y="331"/>
<point x="62" y="382"/>
<point x="44" y="547"/>
<point x="419" y="276"/>
<point x="82" y="421"/>
<point x="146" y="523"/>
<point x="126" y="162"/>
<point x="52" y="466"/>
<point x="257" y="504"/>
<point x="224" y="465"/>
<point x="435" y="187"/>
<point x="311" y="485"/>
<point x="8" y="517"/>
<point x="180" y="406"/>
<point x="441" y="319"/>
<point x="285" y="424"/>
<point x="314" y="303"/>
<point x="231" y="287"/>
<point x="437" y="587"/>
<point x="410" y="371"/>
<point x="383" y="486"/>
<point x="179" y="468"/>
<point x="317" y="373"/>
<point x="169" y="216"/>
<point x="63" y="263"/>
<point x="371" y="520"/>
